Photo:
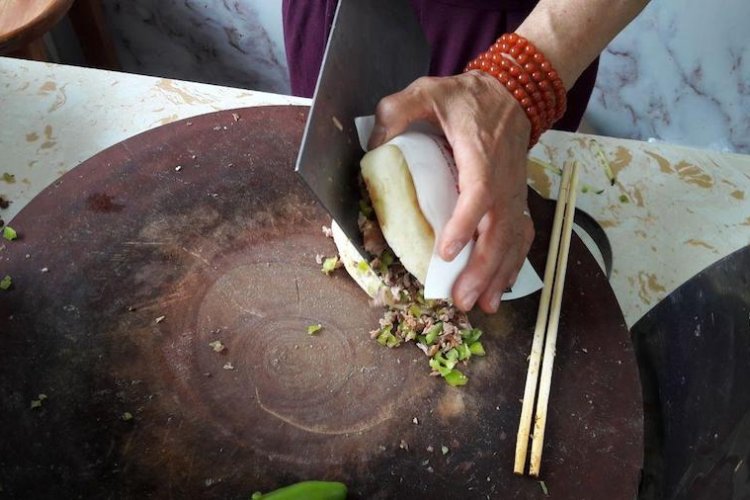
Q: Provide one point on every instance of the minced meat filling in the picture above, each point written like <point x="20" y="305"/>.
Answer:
<point x="438" y="328"/>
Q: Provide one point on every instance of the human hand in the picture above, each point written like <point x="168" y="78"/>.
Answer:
<point x="489" y="133"/>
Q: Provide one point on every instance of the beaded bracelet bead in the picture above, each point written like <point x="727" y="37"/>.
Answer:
<point x="527" y="74"/>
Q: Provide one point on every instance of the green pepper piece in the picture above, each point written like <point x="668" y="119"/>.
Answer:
<point x="9" y="233"/>
<point x="433" y="333"/>
<point x="365" y="208"/>
<point x="456" y="378"/>
<point x="471" y="335"/>
<point x="477" y="349"/>
<point x="415" y="310"/>
<point x="463" y="352"/>
<point x="329" y="265"/>
<point x="308" y="490"/>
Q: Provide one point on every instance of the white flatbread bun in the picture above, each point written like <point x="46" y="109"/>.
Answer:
<point x="394" y="200"/>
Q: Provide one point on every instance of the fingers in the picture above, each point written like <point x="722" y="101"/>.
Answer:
<point x="507" y="273"/>
<point x="495" y="261"/>
<point x="483" y="264"/>
<point x="396" y="112"/>
<point x="473" y="202"/>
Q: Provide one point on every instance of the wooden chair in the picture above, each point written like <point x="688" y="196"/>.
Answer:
<point x="23" y="23"/>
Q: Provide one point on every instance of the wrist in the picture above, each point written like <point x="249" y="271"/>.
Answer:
<point x="529" y="77"/>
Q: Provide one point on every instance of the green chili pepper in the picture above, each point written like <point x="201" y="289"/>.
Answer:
<point x="307" y="490"/>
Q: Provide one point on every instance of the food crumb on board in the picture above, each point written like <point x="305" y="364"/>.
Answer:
<point x="319" y="258"/>
<point x="217" y="346"/>
<point x="337" y="124"/>
<point x="178" y="168"/>
<point x="132" y="309"/>
<point x="444" y="449"/>
<point x="159" y="319"/>
<point x="430" y="469"/>
<point x="327" y="231"/>
<point x="403" y="445"/>
<point x="37" y="403"/>
<point x="415" y="420"/>
<point x="430" y="449"/>
<point x="543" y="485"/>
<point x="44" y="269"/>
<point x="228" y="366"/>
<point x="236" y="117"/>
<point x="127" y="416"/>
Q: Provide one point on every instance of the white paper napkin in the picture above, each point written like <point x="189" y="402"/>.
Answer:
<point x="435" y="177"/>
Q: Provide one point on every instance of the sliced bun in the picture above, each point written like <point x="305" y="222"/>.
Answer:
<point x="394" y="200"/>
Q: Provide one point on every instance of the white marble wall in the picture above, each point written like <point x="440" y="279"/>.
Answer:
<point x="227" y="42"/>
<point x="679" y="73"/>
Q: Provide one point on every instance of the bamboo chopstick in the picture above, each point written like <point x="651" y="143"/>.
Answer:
<point x="540" y="421"/>
<point x="554" y="277"/>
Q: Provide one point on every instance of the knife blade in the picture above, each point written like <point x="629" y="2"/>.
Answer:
<point x="376" y="48"/>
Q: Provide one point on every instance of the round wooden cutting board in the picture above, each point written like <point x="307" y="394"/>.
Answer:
<point x="129" y="266"/>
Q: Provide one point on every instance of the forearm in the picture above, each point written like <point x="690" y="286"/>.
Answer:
<point x="572" y="33"/>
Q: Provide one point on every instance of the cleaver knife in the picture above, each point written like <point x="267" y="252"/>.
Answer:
<point x="376" y="48"/>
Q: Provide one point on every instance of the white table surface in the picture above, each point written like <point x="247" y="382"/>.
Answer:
<point x="672" y="211"/>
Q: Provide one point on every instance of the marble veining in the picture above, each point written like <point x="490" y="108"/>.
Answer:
<point x="679" y="73"/>
<point x="234" y="43"/>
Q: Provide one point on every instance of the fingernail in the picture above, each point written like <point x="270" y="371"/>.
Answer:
<point x="376" y="136"/>
<point x="452" y="249"/>
<point x="495" y="303"/>
<point x="470" y="297"/>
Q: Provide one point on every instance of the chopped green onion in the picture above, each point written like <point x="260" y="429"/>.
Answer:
<point x="477" y="348"/>
<point x="127" y="416"/>
<point x="604" y="162"/>
<point x="5" y="282"/>
<point x="329" y="265"/>
<point x="313" y="329"/>
<point x="415" y="310"/>
<point x="9" y="233"/>
<point x="363" y="266"/>
<point x="456" y="378"/>
<point x="9" y="178"/>
<point x="624" y="198"/>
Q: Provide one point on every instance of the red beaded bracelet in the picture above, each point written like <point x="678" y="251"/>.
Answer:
<point x="527" y="74"/>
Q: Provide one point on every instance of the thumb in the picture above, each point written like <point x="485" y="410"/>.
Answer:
<point x="396" y="112"/>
